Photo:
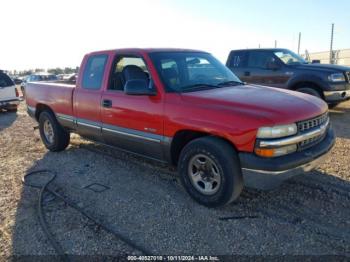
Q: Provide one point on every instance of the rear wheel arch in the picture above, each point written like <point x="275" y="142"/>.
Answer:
<point x="42" y="108"/>
<point x="53" y="135"/>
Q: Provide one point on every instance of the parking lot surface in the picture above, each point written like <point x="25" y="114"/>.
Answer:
<point x="144" y="201"/>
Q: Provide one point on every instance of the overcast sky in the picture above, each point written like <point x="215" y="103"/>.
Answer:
<point x="47" y="33"/>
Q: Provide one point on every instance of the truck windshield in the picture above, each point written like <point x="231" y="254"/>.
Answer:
<point x="289" y="58"/>
<point x="192" y="71"/>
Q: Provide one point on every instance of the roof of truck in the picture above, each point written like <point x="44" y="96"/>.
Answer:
<point x="259" y="49"/>
<point x="148" y="50"/>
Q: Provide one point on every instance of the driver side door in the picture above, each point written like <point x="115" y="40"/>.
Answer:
<point x="264" y="68"/>
<point x="131" y="122"/>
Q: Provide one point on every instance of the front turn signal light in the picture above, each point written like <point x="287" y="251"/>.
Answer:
<point x="275" y="152"/>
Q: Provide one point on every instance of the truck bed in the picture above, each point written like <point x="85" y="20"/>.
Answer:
<point x="58" y="96"/>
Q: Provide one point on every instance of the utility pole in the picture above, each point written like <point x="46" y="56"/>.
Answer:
<point x="275" y="43"/>
<point x="331" y="60"/>
<point x="299" y="43"/>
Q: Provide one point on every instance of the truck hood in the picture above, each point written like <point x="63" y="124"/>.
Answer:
<point x="323" y="67"/>
<point x="277" y="106"/>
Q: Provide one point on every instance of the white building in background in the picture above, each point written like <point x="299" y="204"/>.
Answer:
<point x="341" y="57"/>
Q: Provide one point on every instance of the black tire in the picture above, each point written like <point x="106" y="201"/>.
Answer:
<point x="310" y="91"/>
<point x="226" y="160"/>
<point x="61" y="137"/>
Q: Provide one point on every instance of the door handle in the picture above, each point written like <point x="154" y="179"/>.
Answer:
<point x="106" y="103"/>
<point x="247" y="73"/>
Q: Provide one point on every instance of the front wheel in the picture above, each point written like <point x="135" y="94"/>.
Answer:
<point x="309" y="91"/>
<point x="210" y="171"/>
<point x="53" y="135"/>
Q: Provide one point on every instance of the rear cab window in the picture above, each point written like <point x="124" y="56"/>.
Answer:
<point x="5" y="81"/>
<point x="94" y="71"/>
<point x="238" y="59"/>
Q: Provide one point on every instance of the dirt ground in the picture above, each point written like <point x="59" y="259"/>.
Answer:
<point x="143" y="201"/>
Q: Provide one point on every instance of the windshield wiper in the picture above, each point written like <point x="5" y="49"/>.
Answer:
<point x="232" y="82"/>
<point x="195" y="87"/>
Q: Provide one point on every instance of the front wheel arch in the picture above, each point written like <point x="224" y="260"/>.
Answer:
<point x="311" y="85"/>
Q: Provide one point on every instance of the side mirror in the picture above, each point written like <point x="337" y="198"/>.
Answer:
<point x="273" y="66"/>
<point x="139" y="87"/>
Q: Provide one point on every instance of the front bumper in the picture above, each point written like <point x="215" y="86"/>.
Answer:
<point x="267" y="173"/>
<point x="9" y="103"/>
<point x="336" y="96"/>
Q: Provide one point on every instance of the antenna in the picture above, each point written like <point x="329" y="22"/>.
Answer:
<point x="331" y="60"/>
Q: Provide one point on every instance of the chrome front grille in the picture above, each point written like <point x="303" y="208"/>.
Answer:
<point x="306" y="125"/>
<point x="309" y="126"/>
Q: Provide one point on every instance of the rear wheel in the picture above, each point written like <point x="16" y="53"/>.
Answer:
<point x="210" y="171"/>
<point x="310" y="91"/>
<point x="53" y="135"/>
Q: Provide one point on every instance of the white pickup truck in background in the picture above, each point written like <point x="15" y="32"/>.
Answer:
<point x="9" y="97"/>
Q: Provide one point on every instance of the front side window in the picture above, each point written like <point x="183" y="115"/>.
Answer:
<point x="125" y="68"/>
<point x="261" y="59"/>
<point x="93" y="72"/>
<point x="190" y="71"/>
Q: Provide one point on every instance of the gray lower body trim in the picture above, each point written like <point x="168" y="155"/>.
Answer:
<point x="66" y="121"/>
<point x="150" y="145"/>
<point x="132" y="133"/>
<point x="263" y="179"/>
<point x="140" y="142"/>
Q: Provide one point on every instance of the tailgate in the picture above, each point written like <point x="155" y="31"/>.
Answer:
<point x="7" y="93"/>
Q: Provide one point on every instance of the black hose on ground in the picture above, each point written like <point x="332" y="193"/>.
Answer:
<point x="43" y="223"/>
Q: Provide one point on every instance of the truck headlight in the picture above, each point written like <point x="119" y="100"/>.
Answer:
<point x="274" y="152"/>
<point x="338" y="77"/>
<point x="277" y="131"/>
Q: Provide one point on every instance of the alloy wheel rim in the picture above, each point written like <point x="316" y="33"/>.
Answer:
<point x="48" y="131"/>
<point x="204" y="174"/>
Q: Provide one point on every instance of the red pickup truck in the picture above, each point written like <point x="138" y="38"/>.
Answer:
<point x="185" y="108"/>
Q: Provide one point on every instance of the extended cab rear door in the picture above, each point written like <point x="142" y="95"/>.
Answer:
<point x="87" y="96"/>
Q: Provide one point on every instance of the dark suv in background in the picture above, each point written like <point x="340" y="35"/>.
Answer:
<point x="284" y="69"/>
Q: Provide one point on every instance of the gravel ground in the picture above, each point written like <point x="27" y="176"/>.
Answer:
<point x="143" y="201"/>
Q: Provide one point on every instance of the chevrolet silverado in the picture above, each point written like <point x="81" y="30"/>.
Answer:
<point x="185" y="108"/>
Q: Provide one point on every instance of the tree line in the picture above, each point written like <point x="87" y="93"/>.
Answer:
<point x="55" y="71"/>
